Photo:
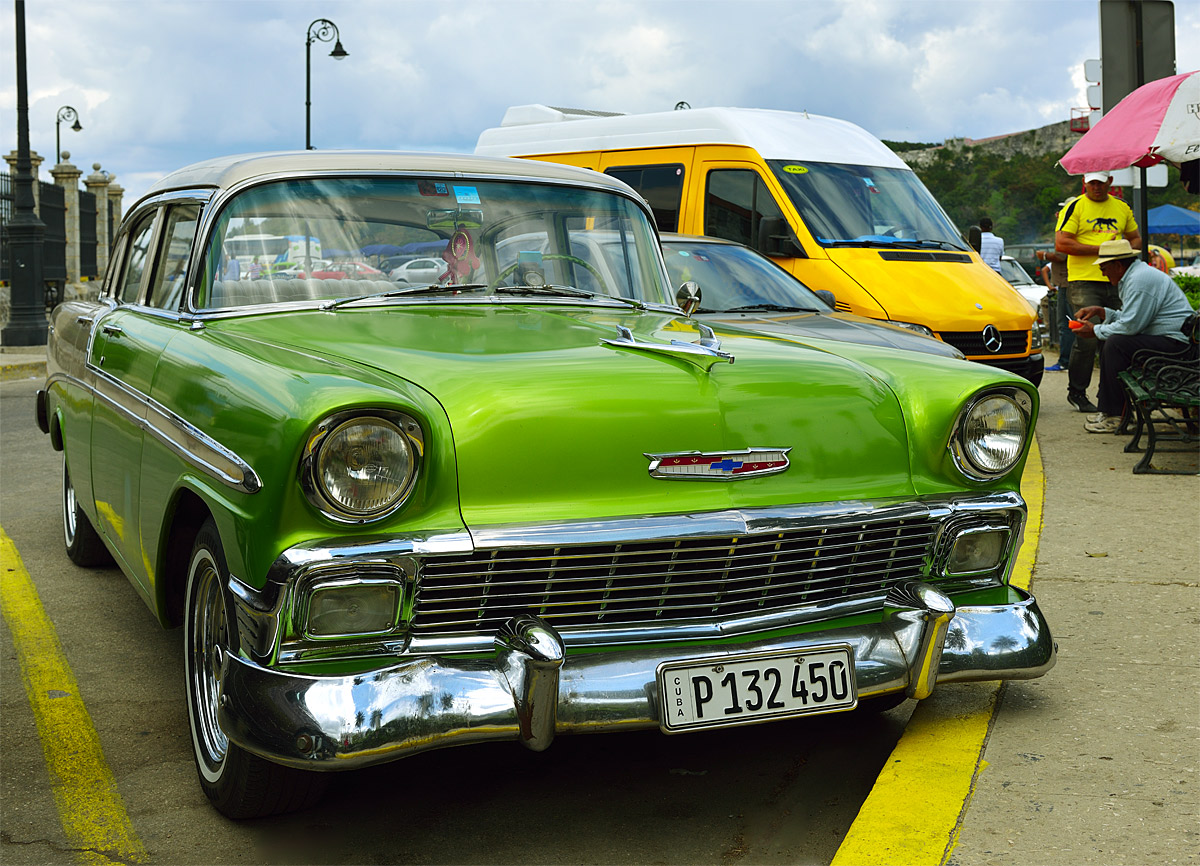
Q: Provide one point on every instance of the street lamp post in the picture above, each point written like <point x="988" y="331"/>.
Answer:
<point x="326" y="31"/>
<point x="64" y="114"/>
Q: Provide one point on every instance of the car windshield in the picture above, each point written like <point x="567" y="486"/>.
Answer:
<point x="1015" y="274"/>
<point x="732" y="277"/>
<point x="493" y="233"/>
<point x="865" y="205"/>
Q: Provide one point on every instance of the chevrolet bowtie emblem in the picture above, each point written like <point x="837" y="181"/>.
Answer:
<point x="718" y="465"/>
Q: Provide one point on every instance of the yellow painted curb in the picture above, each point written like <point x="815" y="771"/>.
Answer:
<point x="23" y="370"/>
<point x="89" y="804"/>
<point x="911" y="817"/>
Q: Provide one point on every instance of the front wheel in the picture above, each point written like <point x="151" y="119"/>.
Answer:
<point x="239" y="784"/>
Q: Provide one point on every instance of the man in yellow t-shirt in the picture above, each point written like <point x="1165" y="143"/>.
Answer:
<point x="1084" y="224"/>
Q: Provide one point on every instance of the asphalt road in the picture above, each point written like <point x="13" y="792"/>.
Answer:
<point x="779" y="793"/>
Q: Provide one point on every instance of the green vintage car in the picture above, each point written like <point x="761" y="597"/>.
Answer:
<point x="529" y="498"/>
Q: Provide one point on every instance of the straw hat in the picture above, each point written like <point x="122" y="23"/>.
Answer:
<point x="1111" y="251"/>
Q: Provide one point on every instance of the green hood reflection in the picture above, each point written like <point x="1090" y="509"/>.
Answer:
<point x="548" y="423"/>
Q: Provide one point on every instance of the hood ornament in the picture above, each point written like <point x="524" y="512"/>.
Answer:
<point x="718" y="465"/>
<point x="703" y="353"/>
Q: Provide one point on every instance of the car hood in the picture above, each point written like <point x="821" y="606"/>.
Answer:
<point x="546" y="420"/>
<point x="834" y="326"/>
<point x="957" y="294"/>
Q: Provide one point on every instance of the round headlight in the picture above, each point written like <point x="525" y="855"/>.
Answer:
<point x="993" y="435"/>
<point x="364" y="466"/>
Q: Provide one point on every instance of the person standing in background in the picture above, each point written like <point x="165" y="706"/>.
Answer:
<point x="1054" y="275"/>
<point x="1084" y="224"/>
<point x="991" y="247"/>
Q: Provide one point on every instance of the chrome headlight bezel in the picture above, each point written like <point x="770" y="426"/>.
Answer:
<point x="317" y="491"/>
<point x="964" y="449"/>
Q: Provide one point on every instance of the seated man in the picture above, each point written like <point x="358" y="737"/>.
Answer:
<point x="1153" y="309"/>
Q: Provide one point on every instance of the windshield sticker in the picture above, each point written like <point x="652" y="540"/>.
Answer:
<point x="432" y="187"/>
<point x="870" y="184"/>
<point x="467" y="194"/>
<point x="683" y="253"/>
<point x="796" y="169"/>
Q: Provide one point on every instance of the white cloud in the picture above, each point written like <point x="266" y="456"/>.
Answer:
<point x="161" y="83"/>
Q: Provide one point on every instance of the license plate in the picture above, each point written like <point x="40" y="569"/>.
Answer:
<point x="737" y="690"/>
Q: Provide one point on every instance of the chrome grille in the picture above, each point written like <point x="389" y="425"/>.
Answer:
<point x="671" y="579"/>
<point x="970" y="343"/>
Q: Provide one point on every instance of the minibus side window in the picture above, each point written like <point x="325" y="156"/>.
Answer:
<point x="660" y="185"/>
<point x="736" y="201"/>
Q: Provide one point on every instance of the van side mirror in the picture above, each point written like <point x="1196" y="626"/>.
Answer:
<point x="687" y="298"/>
<point x="975" y="238"/>
<point x="776" y="238"/>
<point x="826" y="296"/>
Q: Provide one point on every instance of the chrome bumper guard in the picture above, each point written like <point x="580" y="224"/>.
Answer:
<point x="529" y="691"/>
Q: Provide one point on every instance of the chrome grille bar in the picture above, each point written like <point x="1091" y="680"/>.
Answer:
<point x="673" y="578"/>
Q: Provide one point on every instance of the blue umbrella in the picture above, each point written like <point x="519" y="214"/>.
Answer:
<point x="1170" y="219"/>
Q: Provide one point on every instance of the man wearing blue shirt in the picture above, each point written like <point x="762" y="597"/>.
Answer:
<point x="1153" y="310"/>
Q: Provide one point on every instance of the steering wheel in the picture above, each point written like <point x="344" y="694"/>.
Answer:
<point x="588" y="266"/>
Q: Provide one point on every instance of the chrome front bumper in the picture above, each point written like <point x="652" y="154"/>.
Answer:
<point x="528" y="689"/>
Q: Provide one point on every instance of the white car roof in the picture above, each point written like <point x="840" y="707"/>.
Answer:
<point x="227" y="171"/>
<point x="529" y="130"/>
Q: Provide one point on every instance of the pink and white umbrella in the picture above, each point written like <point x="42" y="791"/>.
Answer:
<point x="1158" y="121"/>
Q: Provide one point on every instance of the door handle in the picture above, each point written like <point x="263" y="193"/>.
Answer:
<point x="112" y="330"/>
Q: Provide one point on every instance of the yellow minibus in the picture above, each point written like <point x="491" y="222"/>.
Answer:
<point x="824" y="198"/>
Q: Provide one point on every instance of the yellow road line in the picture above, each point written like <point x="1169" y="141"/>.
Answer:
<point x="912" y="814"/>
<point x="89" y="805"/>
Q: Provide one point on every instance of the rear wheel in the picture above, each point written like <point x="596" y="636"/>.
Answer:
<point x="84" y="546"/>
<point x="239" y="784"/>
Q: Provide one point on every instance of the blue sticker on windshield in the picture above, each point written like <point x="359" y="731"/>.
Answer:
<point x="466" y="194"/>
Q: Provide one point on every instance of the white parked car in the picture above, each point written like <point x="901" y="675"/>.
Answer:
<point x="1027" y="288"/>
<point x="1193" y="269"/>
<point x="419" y="271"/>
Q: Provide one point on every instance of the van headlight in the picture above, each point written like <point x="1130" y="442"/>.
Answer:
<point x="991" y="434"/>
<point x="359" y="468"/>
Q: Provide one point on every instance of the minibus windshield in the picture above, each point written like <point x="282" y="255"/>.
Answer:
<point x="865" y="205"/>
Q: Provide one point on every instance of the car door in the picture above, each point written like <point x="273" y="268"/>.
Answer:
<point x="123" y="356"/>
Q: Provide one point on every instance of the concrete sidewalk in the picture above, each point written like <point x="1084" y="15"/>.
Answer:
<point x="1097" y="762"/>
<point x="22" y="362"/>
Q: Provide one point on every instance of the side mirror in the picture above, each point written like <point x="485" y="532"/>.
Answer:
<point x="826" y="296"/>
<point x="975" y="238"/>
<point x="687" y="298"/>
<point x="776" y="238"/>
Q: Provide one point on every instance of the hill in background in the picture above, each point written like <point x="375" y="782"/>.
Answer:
<point x="1016" y="180"/>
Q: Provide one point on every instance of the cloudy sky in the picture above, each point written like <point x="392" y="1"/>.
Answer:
<point x="159" y="84"/>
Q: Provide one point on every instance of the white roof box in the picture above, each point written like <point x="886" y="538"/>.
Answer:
<point x="529" y="130"/>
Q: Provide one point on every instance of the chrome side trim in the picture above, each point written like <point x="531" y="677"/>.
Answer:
<point x="179" y="435"/>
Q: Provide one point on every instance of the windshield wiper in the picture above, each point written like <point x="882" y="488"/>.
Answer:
<point x="555" y="291"/>
<point x="770" y="308"/>
<point x="431" y="289"/>
<point x="906" y="243"/>
<point x="546" y="289"/>
<point x="922" y="243"/>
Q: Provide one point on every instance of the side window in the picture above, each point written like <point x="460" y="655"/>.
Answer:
<point x="137" y="257"/>
<point x="735" y="202"/>
<point x="662" y="188"/>
<point x="166" y="288"/>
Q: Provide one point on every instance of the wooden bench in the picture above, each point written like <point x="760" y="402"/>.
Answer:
<point x="1164" y="402"/>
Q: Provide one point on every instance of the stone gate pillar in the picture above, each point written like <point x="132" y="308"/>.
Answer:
<point x="67" y="176"/>
<point x="97" y="184"/>
<point x="35" y="162"/>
